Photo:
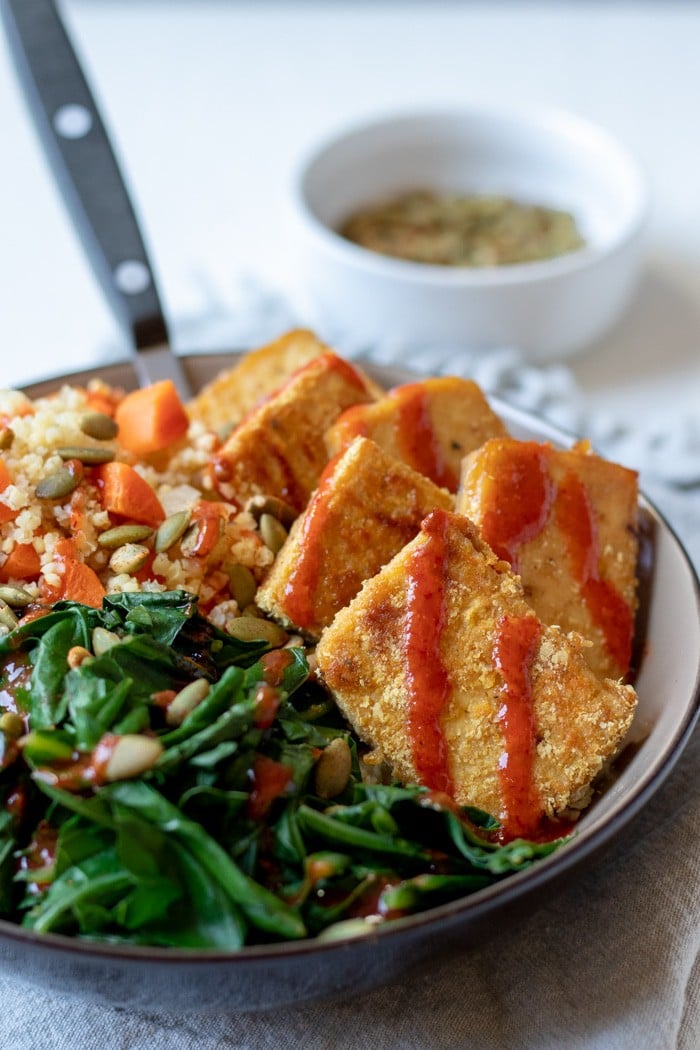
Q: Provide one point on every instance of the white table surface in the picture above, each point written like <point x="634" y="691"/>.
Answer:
<point x="211" y="105"/>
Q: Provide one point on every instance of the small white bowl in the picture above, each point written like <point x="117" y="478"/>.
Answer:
<point x="548" y="309"/>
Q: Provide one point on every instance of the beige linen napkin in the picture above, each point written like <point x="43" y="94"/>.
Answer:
<point x="610" y="964"/>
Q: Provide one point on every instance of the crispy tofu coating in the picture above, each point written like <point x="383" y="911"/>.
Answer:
<point x="578" y="721"/>
<point x="567" y="522"/>
<point x="430" y="425"/>
<point x="228" y="398"/>
<point x="279" y="449"/>
<point x="365" y="510"/>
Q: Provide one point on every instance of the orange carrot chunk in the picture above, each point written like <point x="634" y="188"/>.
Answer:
<point x="6" y="513"/>
<point x="22" y="563"/>
<point x="125" y="492"/>
<point x="80" y="583"/>
<point x="151" y="419"/>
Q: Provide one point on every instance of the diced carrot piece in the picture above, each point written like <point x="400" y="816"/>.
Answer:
<point x="151" y="419"/>
<point x="125" y="492"/>
<point x="80" y="583"/>
<point x="6" y="513"/>
<point x="22" y="563"/>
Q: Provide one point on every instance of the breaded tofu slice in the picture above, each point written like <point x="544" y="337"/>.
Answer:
<point x="430" y="425"/>
<point x="441" y="665"/>
<point x="235" y="391"/>
<point x="366" y="508"/>
<point x="279" y="448"/>
<point x="567" y="523"/>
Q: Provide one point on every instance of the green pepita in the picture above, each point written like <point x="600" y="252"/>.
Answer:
<point x="89" y="456"/>
<point x="252" y="629"/>
<point x="186" y="701"/>
<point x="241" y="584"/>
<point x="7" y="617"/>
<point x="11" y="725"/>
<point x="103" y="640"/>
<point x="129" y="558"/>
<point x="259" y="505"/>
<point x="121" y="534"/>
<point x="133" y="754"/>
<point x="99" y="426"/>
<point x="171" y="530"/>
<point x="58" y="485"/>
<point x="272" y="532"/>
<point x="333" y="769"/>
<point x="15" y="597"/>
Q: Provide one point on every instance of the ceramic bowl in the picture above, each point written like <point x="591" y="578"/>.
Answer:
<point x="549" y="309"/>
<point x="259" y="977"/>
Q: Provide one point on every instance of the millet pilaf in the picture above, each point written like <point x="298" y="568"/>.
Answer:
<point x="47" y="443"/>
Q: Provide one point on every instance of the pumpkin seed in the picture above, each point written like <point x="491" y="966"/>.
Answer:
<point x="90" y="456"/>
<point x="186" y="701"/>
<point x="103" y="640"/>
<point x="171" y="530"/>
<point x="58" y="485"/>
<point x="241" y="584"/>
<point x="15" y="597"/>
<point x="7" y="617"/>
<point x="129" y="558"/>
<point x="11" y="725"/>
<point x="251" y="629"/>
<point x="122" y="534"/>
<point x="333" y="769"/>
<point x="133" y="754"/>
<point x="253" y="610"/>
<point x="259" y="505"/>
<point x="7" y="436"/>
<point x="189" y="541"/>
<point x="273" y="533"/>
<point x="78" y="655"/>
<point x="99" y="426"/>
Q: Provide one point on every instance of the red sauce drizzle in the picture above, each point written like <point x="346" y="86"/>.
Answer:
<point x="523" y="494"/>
<point x="269" y="779"/>
<point x="427" y="679"/>
<point x="606" y="605"/>
<point x="344" y="368"/>
<point x="300" y="589"/>
<point x="40" y="856"/>
<point x="267" y="702"/>
<point x="517" y="642"/>
<point x="274" y="664"/>
<point x="416" y="435"/>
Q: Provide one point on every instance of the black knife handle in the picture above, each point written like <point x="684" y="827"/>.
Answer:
<point x="77" y="146"/>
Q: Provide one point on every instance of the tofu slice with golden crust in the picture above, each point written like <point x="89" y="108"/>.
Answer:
<point x="366" y="508"/>
<point x="567" y="523"/>
<point x="430" y="425"/>
<point x="235" y="391"/>
<point x="441" y="666"/>
<point x="279" y="449"/>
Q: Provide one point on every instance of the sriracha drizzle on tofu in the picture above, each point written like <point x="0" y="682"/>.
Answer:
<point x="428" y="682"/>
<point x="300" y="589"/>
<point x="606" y="605"/>
<point x="417" y="436"/>
<point x="521" y="509"/>
<point x="516" y="645"/>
